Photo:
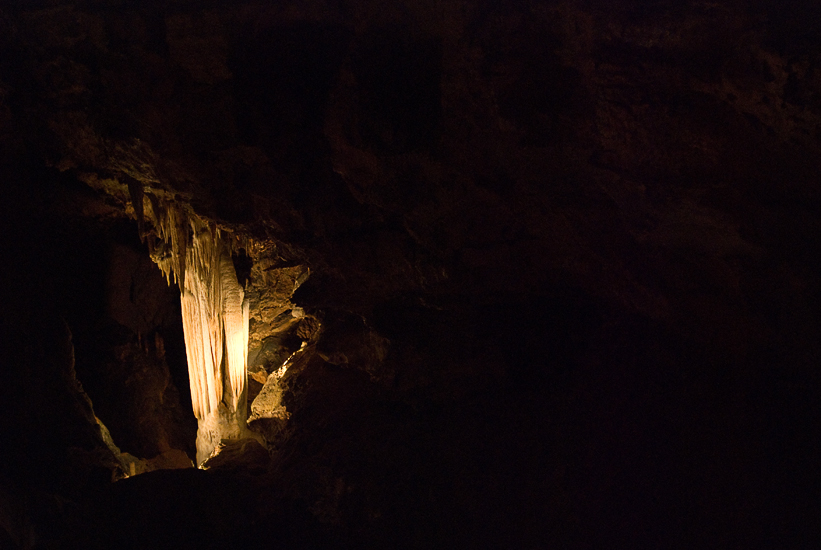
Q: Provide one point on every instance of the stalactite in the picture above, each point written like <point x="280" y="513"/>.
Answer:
<point x="204" y="315"/>
<point x="179" y="243"/>
<point x="215" y="315"/>
<point x="235" y="318"/>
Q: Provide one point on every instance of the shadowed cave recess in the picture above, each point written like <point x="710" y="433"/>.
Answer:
<point x="419" y="274"/>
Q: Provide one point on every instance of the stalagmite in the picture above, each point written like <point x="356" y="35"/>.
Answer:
<point x="215" y="316"/>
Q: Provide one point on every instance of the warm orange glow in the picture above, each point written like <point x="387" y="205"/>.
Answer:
<point x="215" y="315"/>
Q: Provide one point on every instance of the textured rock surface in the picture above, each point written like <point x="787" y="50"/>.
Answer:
<point x="243" y="455"/>
<point x="554" y="264"/>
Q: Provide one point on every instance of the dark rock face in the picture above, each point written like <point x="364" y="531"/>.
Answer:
<point x="563" y="262"/>
<point x="125" y="360"/>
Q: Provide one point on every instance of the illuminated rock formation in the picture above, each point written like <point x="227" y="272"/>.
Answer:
<point x="215" y="321"/>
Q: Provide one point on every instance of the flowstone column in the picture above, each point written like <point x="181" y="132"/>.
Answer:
<point x="215" y="315"/>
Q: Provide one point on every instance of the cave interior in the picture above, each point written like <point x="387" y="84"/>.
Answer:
<point x="531" y="274"/>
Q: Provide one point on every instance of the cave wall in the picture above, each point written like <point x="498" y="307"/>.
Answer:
<point x="126" y="354"/>
<point x="563" y="254"/>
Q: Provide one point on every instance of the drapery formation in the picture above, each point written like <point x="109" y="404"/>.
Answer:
<point x="214" y="307"/>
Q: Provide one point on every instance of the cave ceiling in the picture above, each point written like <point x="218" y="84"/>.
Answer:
<point x="437" y="150"/>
